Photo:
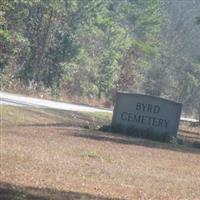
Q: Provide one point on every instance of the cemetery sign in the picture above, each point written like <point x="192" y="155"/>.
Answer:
<point x="146" y="114"/>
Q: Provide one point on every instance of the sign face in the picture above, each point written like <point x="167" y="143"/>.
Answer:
<point x="147" y="114"/>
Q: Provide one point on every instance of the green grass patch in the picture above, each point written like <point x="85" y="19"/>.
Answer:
<point x="89" y="154"/>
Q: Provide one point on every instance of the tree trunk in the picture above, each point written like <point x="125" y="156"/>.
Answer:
<point x="41" y="45"/>
<point x="100" y="91"/>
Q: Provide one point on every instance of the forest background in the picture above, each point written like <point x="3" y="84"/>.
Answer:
<point x="92" y="48"/>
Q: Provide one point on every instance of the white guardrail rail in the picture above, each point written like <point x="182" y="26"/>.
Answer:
<point x="185" y="119"/>
<point x="193" y="122"/>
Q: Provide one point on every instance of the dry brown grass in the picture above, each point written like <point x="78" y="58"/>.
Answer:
<point x="48" y="155"/>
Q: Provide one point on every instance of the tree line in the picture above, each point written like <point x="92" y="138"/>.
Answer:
<point x="92" y="48"/>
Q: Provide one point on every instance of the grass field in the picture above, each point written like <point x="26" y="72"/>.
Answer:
<point x="51" y="154"/>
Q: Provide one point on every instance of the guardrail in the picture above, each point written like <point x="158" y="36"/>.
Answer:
<point x="193" y="122"/>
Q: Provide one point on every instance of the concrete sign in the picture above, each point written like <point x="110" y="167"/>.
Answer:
<point x="147" y="114"/>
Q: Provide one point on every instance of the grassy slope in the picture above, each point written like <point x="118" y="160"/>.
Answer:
<point x="12" y="116"/>
<point x="47" y="154"/>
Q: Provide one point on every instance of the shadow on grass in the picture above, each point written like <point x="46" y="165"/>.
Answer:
<point x="121" y="138"/>
<point x="13" y="192"/>
<point x="191" y="137"/>
<point x="128" y="140"/>
<point x="190" y="132"/>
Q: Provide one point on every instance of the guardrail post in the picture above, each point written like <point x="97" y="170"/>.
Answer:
<point x="199" y="114"/>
